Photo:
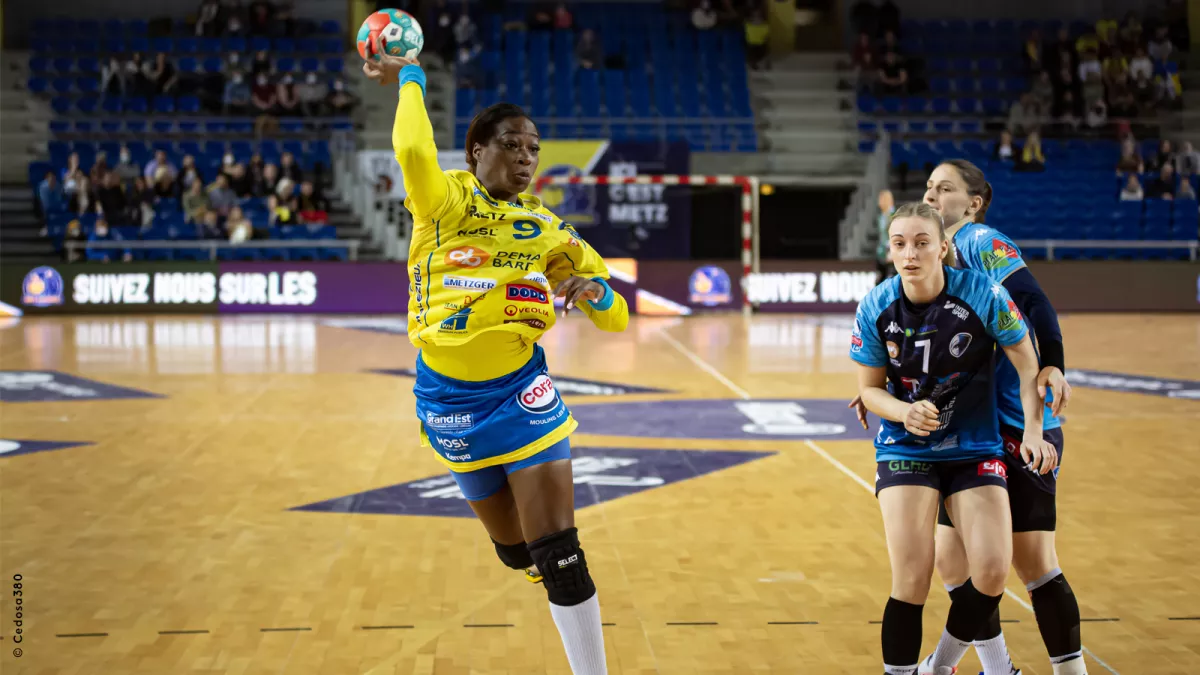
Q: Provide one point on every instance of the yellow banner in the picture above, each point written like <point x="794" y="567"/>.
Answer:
<point x="573" y="203"/>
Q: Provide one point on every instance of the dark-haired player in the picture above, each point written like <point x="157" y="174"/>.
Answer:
<point x="924" y="342"/>
<point x="486" y="261"/>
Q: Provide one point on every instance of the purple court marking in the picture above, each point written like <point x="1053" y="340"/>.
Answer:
<point x="12" y="448"/>
<point x="564" y="385"/>
<point x="1135" y="384"/>
<point x="41" y="386"/>
<point x="774" y="419"/>
<point x="601" y="475"/>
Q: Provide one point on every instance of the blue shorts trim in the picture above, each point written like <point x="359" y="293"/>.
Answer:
<point x="485" y="482"/>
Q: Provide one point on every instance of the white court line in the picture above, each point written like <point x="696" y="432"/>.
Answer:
<point x="708" y="368"/>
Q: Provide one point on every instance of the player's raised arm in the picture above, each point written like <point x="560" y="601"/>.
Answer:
<point x="577" y="274"/>
<point x="412" y="132"/>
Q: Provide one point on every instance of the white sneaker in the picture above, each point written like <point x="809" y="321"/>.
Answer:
<point x="926" y="669"/>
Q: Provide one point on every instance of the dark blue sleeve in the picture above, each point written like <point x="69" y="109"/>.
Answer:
<point x="1040" y="315"/>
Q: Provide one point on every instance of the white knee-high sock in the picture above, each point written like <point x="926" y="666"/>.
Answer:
<point x="582" y="636"/>
<point x="993" y="655"/>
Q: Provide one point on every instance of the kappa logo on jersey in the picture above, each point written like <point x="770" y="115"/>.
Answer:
<point x="526" y="293"/>
<point x="958" y="311"/>
<point x="539" y="397"/>
<point x="893" y="328"/>
<point x="1000" y="256"/>
<point x="469" y="257"/>
<point x="1011" y="319"/>
<point x="993" y="467"/>
<point x="959" y="344"/>
<point x="467" y="283"/>
<point x="997" y="290"/>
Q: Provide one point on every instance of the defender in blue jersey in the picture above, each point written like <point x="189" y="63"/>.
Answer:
<point x="925" y="343"/>
<point x="958" y="190"/>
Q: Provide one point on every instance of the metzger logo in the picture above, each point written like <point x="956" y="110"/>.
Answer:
<point x="539" y="397"/>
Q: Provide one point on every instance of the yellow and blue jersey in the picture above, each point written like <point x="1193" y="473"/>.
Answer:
<point x="988" y="251"/>
<point x="481" y="276"/>
<point x="941" y="353"/>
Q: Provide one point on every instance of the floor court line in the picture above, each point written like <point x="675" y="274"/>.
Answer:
<point x="820" y="452"/>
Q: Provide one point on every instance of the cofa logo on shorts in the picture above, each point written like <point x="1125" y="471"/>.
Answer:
<point x="539" y="397"/>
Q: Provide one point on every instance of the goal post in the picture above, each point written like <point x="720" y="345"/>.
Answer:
<point x="749" y="188"/>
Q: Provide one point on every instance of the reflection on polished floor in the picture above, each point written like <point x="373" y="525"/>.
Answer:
<point x="247" y="495"/>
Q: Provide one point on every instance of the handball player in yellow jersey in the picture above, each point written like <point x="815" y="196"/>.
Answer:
<point x="485" y="264"/>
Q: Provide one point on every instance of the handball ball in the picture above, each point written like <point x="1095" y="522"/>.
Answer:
<point x="401" y="33"/>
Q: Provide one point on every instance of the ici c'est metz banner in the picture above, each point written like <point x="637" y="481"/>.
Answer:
<point x="204" y="288"/>
<point x="648" y="222"/>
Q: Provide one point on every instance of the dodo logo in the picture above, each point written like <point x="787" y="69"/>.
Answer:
<point x="539" y="397"/>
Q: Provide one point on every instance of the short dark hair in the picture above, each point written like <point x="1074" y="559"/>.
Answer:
<point x="977" y="185"/>
<point x="483" y="127"/>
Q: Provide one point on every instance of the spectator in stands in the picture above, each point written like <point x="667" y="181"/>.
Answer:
<point x="757" y="32"/>
<point x="312" y="206"/>
<point x="279" y="214"/>
<point x="265" y="184"/>
<point x="234" y="27"/>
<point x="287" y="103"/>
<point x="1032" y="160"/>
<point x="136" y="81"/>
<point x="210" y="226"/>
<point x="283" y="24"/>
<point x="1129" y="35"/>
<point x="160" y="161"/>
<point x="465" y="32"/>
<point x="1043" y="91"/>
<point x="74" y="233"/>
<point x="261" y="65"/>
<point x="892" y="76"/>
<point x="163" y="74"/>
<point x="563" y="20"/>
<point x="1091" y="76"/>
<point x="102" y="233"/>
<point x="164" y="184"/>
<point x="195" y="203"/>
<point x="1061" y="53"/>
<point x="80" y="201"/>
<point x="288" y="168"/>
<point x="126" y="167"/>
<point x="439" y="41"/>
<point x="1187" y="161"/>
<point x="865" y="68"/>
<point x="891" y="44"/>
<point x="240" y="181"/>
<point x="206" y="21"/>
<point x="1024" y="116"/>
<point x="260" y="18"/>
<point x="1031" y="52"/>
<point x="51" y="195"/>
<point x="704" y="17"/>
<point x="263" y="100"/>
<point x="72" y="175"/>
<point x="285" y="192"/>
<point x="141" y="203"/>
<point x="1131" y="159"/>
<point x="311" y="94"/>
<point x="112" y="78"/>
<point x="1165" y="155"/>
<point x="467" y="69"/>
<point x="1163" y="185"/>
<point x="1065" y="83"/>
<point x="1160" y="48"/>
<point x="1121" y="100"/>
<point x="1003" y="151"/>
<point x="340" y="101"/>
<point x="111" y="199"/>
<point x="1141" y="65"/>
<point x="1132" y="190"/>
<point x="99" y="168"/>
<point x="1185" y="191"/>
<point x="236" y="99"/>
<point x="232" y="63"/>
<point x="588" y="51"/>
<point x="221" y="197"/>
<point x="1088" y="42"/>
<point x="1097" y="114"/>
<point x="1116" y="71"/>
<point x="188" y="173"/>
<point x="238" y="225"/>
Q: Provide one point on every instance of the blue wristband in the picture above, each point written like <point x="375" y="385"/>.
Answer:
<point x="411" y="73"/>
<point x="606" y="302"/>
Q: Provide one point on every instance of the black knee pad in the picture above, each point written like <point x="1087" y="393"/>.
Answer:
<point x="515" y="556"/>
<point x="564" y="569"/>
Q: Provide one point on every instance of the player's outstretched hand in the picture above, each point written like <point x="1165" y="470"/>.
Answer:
<point x="1059" y="387"/>
<point x="860" y="409"/>
<point x="921" y="419"/>
<point x="387" y="69"/>
<point x="574" y="289"/>
<point x="1039" y="454"/>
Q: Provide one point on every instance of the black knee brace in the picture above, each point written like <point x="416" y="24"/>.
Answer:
<point x="563" y="567"/>
<point x="515" y="556"/>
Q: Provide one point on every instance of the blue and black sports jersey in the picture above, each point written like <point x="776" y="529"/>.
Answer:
<point x="983" y="249"/>
<point x="941" y="352"/>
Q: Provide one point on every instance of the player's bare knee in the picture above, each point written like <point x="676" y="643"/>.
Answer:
<point x="564" y="569"/>
<point x="910" y="583"/>
<point x="989" y="571"/>
<point x="952" y="566"/>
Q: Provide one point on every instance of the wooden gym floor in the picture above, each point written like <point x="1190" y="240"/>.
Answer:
<point x="172" y="542"/>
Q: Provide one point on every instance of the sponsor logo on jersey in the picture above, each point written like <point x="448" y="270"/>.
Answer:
<point x="474" y="212"/>
<point x="997" y="290"/>
<point x="948" y="443"/>
<point x="908" y="466"/>
<point x="959" y="344"/>
<point x="1010" y="319"/>
<point x="450" y="421"/>
<point x="467" y="283"/>
<point x="519" y="260"/>
<point x="533" y="323"/>
<point x="893" y="328"/>
<point x="457" y="322"/>
<point x="993" y="467"/>
<point x="539" y="397"/>
<point x="484" y="232"/>
<point x="467" y="257"/>
<point x="999" y="256"/>
<point x="526" y="293"/>
<point x="459" y="458"/>
<point x="537" y="278"/>
<point x="893" y="350"/>
<point x="960" y="312"/>
<point x="928" y="329"/>
<point x="855" y="343"/>
<point x="510" y="310"/>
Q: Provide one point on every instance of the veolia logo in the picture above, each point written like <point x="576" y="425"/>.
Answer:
<point x="539" y="397"/>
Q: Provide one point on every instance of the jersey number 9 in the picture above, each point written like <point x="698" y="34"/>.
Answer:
<point x="526" y="229"/>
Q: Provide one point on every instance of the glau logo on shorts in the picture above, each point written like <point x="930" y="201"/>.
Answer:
<point x="526" y="293"/>
<point x="467" y="283"/>
<point x="993" y="467"/>
<point x="539" y="397"/>
<point x="449" y="421"/>
<point x="468" y="257"/>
